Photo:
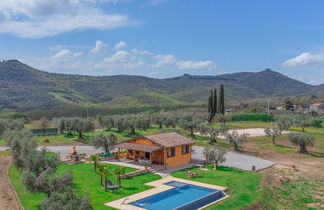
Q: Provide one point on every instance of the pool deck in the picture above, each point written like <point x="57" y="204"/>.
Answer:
<point x="159" y="186"/>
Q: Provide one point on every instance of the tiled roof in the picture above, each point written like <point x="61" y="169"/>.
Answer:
<point x="138" y="147"/>
<point x="170" y="139"/>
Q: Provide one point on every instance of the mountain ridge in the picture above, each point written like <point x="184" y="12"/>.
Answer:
<point x="25" y="88"/>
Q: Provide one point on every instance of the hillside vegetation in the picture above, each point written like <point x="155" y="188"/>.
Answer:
<point x="25" y="88"/>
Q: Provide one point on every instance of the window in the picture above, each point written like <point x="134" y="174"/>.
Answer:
<point x="171" y="152"/>
<point x="185" y="149"/>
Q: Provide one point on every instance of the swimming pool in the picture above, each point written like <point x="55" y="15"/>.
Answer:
<point x="183" y="196"/>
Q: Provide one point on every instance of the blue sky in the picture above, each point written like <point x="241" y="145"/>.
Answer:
<point x="166" y="38"/>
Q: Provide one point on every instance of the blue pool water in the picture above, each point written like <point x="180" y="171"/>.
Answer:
<point x="182" y="196"/>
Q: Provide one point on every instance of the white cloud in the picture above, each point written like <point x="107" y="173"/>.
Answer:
<point x="120" y="62"/>
<point x="65" y="55"/>
<point x="39" y="18"/>
<point x="164" y="60"/>
<point x="100" y="45"/>
<point x="141" y="52"/>
<point x="304" y="59"/>
<point x="120" y="45"/>
<point x="196" y="65"/>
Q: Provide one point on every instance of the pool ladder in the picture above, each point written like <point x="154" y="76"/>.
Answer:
<point x="123" y="202"/>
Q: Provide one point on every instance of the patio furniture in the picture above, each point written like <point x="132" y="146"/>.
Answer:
<point x="192" y="174"/>
<point x="112" y="186"/>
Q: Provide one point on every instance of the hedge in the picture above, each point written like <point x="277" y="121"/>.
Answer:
<point x="253" y="117"/>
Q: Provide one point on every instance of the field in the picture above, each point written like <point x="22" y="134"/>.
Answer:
<point x="62" y="139"/>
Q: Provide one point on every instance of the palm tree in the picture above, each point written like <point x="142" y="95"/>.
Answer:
<point x="119" y="172"/>
<point x="101" y="172"/>
<point x="96" y="159"/>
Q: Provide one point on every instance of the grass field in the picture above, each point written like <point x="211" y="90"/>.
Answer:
<point x="301" y="194"/>
<point x="243" y="185"/>
<point x="85" y="180"/>
<point x="245" y="124"/>
<point x="2" y="143"/>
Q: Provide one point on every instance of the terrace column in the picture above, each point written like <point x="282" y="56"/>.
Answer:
<point x="150" y="159"/>
<point x="164" y="156"/>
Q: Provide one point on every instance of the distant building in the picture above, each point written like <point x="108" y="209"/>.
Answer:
<point x="317" y="107"/>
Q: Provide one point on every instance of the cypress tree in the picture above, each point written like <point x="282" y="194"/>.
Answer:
<point x="215" y="103"/>
<point x="210" y="106"/>
<point x="221" y="104"/>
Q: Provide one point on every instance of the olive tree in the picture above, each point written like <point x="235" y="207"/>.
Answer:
<point x="81" y="125"/>
<point x="60" y="124"/>
<point x="284" y="122"/>
<point x="212" y="132"/>
<point x="236" y="139"/>
<point x="22" y="144"/>
<point x="107" y="122"/>
<point x="302" y="121"/>
<point x="40" y="161"/>
<point x="190" y="121"/>
<point x="214" y="154"/>
<point x="68" y="124"/>
<point x="132" y="123"/>
<point x="303" y="140"/>
<point x="8" y="124"/>
<point x="67" y="200"/>
<point x="171" y="120"/>
<point x="218" y="156"/>
<point x="120" y="123"/>
<point x="207" y="152"/>
<point x="273" y="132"/>
<point x="159" y="119"/>
<point x="106" y="143"/>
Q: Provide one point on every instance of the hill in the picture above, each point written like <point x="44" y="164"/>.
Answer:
<point x="25" y="88"/>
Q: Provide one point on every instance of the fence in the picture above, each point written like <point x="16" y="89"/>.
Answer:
<point x="44" y="132"/>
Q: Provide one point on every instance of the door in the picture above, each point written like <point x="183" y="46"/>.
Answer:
<point x="147" y="155"/>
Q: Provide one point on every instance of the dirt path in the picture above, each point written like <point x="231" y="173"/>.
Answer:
<point x="8" y="198"/>
<point x="308" y="165"/>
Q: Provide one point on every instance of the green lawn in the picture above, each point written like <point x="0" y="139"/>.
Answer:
<point x="2" y="143"/>
<point x="243" y="185"/>
<point x="300" y="194"/>
<point x="30" y="201"/>
<point x="85" y="180"/>
<point x="245" y="124"/>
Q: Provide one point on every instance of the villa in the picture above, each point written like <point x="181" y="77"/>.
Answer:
<point x="167" y="149"/>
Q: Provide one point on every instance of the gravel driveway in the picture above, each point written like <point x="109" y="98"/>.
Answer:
<point x="236" y="160"/>
<point x="253" y="132"/>
<point x="63" y="151"/>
